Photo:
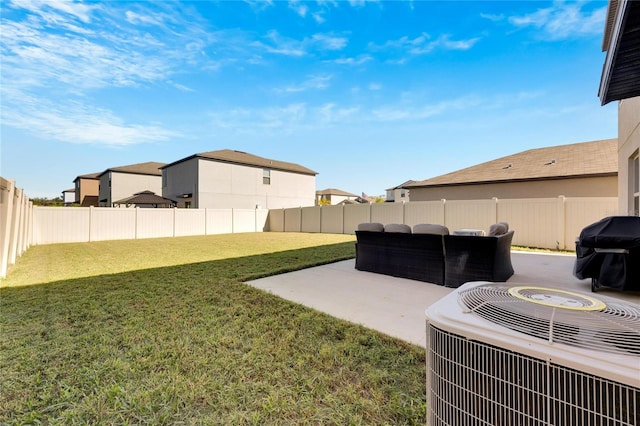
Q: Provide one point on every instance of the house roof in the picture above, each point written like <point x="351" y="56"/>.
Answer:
<point x="333" y="191"/>
<point x="402" y="185"/>
<point x="145" y="197"/>
<point x="621" y="70"/>
<point x="246" y="159"/>
<point x="587" y="159"/>
<point x="70" y="190"/>
<point x="88" y="176"/>
<point x="149" y="168"/>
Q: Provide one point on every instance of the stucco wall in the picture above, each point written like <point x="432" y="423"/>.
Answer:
<point x="628" y="145"/>
<point x="579" y="187"/>
<point x="223" y="185"/>
<point x="181" y="178"/>
<point x="125" y="185"/>
<point x="86" y="187"/>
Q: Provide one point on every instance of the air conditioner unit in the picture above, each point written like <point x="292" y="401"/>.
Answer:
<point x="499" y="355"/>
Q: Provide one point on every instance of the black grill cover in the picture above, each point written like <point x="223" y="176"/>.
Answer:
<point x="595" y="259"/>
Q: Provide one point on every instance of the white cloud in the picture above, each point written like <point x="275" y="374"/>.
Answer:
<point x="54" y="11"/>
<point x="300" y="8"/>
<point x="563" y="20"/>
<point x="424" y="44"/>
<point x="375" y="86"/>
<point x="294" y="117"/>
<point x="278" y="44"/>
<point x="353" y="61"/>
<point x="319" y="82"/>
<point x="492" y="17"/>
<point x="329" y="42"/>
<point x="57" y="55"/>
<point x="74" y="122"/>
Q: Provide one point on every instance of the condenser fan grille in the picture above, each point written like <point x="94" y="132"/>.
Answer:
<point x="558" y="316"/>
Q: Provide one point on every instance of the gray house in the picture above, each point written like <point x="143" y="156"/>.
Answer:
<point x="234" y="179"/>
<point x="117" y="183"/>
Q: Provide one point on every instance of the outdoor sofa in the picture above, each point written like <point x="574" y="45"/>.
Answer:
<point x="429" y="253"/>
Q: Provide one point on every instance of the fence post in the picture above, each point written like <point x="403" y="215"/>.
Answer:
<point x="444" y="212"/>
<point x="90" y="221"/>
<point x="15" y="225"/>
<point x="6" y="212"/>
<point x="174" y="221"/>
<point x="562" y="221"/>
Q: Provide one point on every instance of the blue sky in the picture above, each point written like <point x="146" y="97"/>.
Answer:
<point x="369" y="94"/>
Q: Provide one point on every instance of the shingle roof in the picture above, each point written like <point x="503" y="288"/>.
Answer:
<point x="88" y="176"/>
<point x="598" y="158"/>
<point x="244" y="158"/>
<point x="148" y="168"/>
<point x="332" y="191"/>
<point x="402" y="185"/>
<point x="145" y="197"/>
<point x="621" y="70"/>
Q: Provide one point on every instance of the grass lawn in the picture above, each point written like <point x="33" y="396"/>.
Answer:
<point x="163" y="331"/>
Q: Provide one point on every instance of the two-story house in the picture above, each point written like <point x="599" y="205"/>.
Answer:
<point x="620" y="82"/>
<point x="87" y="189"/>
<point x="118" y="183"/>
<point x="332" y="196"/>
<point x="234" y="179"/>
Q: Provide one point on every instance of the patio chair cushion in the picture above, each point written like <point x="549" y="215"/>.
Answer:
<point x="428" y="228"/>
<point x="371" y="226"/>
<point x="397" y="227"/>
<point x="498" y="229"/>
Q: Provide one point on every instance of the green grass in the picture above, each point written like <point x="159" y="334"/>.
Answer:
<point x="164" y="331"/>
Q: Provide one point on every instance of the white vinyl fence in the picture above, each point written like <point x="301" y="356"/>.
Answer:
<point x="84" y="224"/>
<point x="552" y="223"/>
<point x="15" y="224"/>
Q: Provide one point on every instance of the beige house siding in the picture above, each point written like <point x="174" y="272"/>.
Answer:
<point x="86" y="187"/>
<point x="115" y="186"/>
<point x="225" y="185"/>
<point x="216" y="185"/>
<point x="628" y="148"/>
<point x="606" y="186"/>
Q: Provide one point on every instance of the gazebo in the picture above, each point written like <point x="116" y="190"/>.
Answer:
<point x="145" y="199"/>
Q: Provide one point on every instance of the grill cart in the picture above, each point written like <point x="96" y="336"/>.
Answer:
<point x="608" y="252"/>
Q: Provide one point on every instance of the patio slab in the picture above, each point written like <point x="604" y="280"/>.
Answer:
<point x="396" y="306"/>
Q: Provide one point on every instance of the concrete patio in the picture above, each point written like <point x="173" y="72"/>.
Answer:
<point x="396" y="306"/>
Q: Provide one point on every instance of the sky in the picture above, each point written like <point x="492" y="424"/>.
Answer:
<point x="369" y="94"/>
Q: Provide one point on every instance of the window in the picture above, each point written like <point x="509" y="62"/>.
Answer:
<point x="634" y="184"/>
<point x="266" y="176"/>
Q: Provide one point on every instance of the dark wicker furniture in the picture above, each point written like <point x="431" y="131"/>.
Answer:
<point x="415" y="256"/>
<point x="471" y="258"/>
<point x="449" y="260"/>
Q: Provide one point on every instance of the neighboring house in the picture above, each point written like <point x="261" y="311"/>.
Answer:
<point x="332" y="196"/>
<point x="146" y="199"/>
<point x="621" y="82"/>
<point x="87" y="189"/>
<point x="588" y="169"/>
<point x="120" y="182"/>
<point x="398" y="194"/>
<point x="234" y="179"/>
<point x="69" y="196"/>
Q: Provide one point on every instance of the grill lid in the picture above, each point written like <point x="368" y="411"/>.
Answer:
<point x="558" y="316"/>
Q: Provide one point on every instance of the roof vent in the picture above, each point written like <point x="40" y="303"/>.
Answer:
<point x="551" y="163"/>
<point x="508" y="166"/>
